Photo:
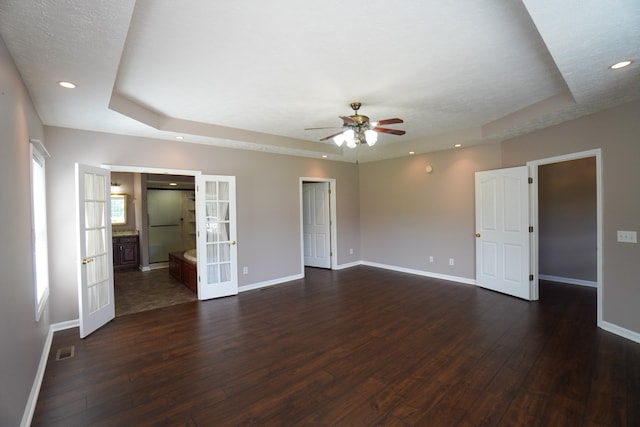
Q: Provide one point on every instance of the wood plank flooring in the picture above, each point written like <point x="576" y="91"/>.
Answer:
<point x="356" y="347"/>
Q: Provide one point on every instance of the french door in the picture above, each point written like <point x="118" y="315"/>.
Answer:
<point x="502" y="231"/>
<point x="96" y="304"/>
<point x="216" y="236"/>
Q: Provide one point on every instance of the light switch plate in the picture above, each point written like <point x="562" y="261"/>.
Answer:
<point x="627" y="236"/>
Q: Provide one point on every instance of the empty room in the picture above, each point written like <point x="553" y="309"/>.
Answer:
<point x="369" y="214"/>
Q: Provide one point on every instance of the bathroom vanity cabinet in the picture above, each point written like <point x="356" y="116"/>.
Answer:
<point x="125" y="253"/>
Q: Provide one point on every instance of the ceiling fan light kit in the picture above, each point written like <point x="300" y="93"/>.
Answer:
<point x="357" y="129"/>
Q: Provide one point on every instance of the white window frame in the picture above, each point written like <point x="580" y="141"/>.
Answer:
<point x="39" y="226"/>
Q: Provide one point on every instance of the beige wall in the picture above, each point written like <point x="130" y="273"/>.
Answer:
<point x="408" y="214"/>
<point x="617" y="132"/>
<point x="268" y="201"/>
<point x="21" y="337"/>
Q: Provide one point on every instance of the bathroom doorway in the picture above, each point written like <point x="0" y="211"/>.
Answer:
<point x="148" y="285"/>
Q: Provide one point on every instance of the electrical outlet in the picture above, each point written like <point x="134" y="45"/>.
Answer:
<point x="430" y="259"/>
<point x="245" y="270"/>
<point x="450" y="261"/>
<point x="351" y="251"/>
<point x="627" y="236"/>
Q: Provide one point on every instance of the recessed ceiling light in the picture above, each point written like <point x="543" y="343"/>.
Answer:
<point x="173" y="184"/>
<point x="67" y="85"/>
<point x="412" y="152"/>
<point x="458" y="145"/>
<point x="620" y="64"/>
<point x="324" y="156"/>
<point x="180" y="137"/>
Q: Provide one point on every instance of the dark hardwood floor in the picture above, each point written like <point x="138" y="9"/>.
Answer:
<point x="357" y="347"/>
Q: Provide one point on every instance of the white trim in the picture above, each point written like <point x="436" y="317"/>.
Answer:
<point x="569" y="281"/>
<point x="156" y="266"/>
<point x="30" y="407"/>
<point x="348" y="265"/>
<point x="620" y="331"/>
<point x="332" y="214"/>
<point x="39" y="158"/>
<point x="144" y="169"/>
<point x="40" y="147"/>
<point x="269" y="283"/>
<point x="75" y="323"/>
<point x="457" y="279"/>
<point x="533" y="172"/>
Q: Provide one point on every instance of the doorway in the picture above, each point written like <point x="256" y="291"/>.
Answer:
<point x="318" y="223"/>
<point x="148" y="285"/>
<point x="590" y="157"/>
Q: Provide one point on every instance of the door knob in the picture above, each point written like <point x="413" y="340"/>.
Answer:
<point x="233" y="242"/>
<point x="477" y="234"/>
<point x="87" y="260"/>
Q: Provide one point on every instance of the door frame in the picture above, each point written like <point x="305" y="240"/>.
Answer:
<point x="533" y="194"/>
<point x="332" y="216"/>
<point x="151" y="170"/>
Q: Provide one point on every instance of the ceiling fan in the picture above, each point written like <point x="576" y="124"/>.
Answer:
<point x="357" y="129"/>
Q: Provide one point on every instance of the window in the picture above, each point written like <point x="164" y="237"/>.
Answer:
<point x="39" y="227"/>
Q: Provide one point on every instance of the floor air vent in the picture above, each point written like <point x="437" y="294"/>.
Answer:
<point x="65" y="353"/>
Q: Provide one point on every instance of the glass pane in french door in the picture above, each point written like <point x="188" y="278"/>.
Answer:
<point x="217" y="232"/>
<point x="96" y="250"/>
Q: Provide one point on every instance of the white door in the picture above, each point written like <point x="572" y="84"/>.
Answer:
<point x="316" y="224"/>
<point x="95" y="258"/>
<point x="216" y="236"/>
<point x="502" y="231"/>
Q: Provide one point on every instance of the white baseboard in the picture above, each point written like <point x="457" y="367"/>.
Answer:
<point x="619" y="330"/>
<point x="269" y="283"/>
<point x="30" y="408"/>
<point x="349" y="265"/>
<point x="421" y="273"/>
<point x="156" y="266"/>
<point x="568" y="280"/>
<point x="65" y="325"/>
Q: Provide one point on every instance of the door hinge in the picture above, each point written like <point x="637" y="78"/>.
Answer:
<point x="329" y="191"/>
<point x="531" y="277"/>
<point x="531" y="229"/>
<point x="530" y="180"/>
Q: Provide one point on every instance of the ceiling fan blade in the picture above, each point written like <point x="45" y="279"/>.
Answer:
<point x="390" y="121"/>
<point x="391" y="131"/>
<point x="348" y="120"/>
<point x="330" y="136"/>
<point x="326" y="127"/>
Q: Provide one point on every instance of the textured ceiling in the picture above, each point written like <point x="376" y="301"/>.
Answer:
<point x="253" y="75"/>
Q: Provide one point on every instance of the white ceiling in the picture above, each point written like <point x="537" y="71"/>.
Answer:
<point x="252" y="75"/>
